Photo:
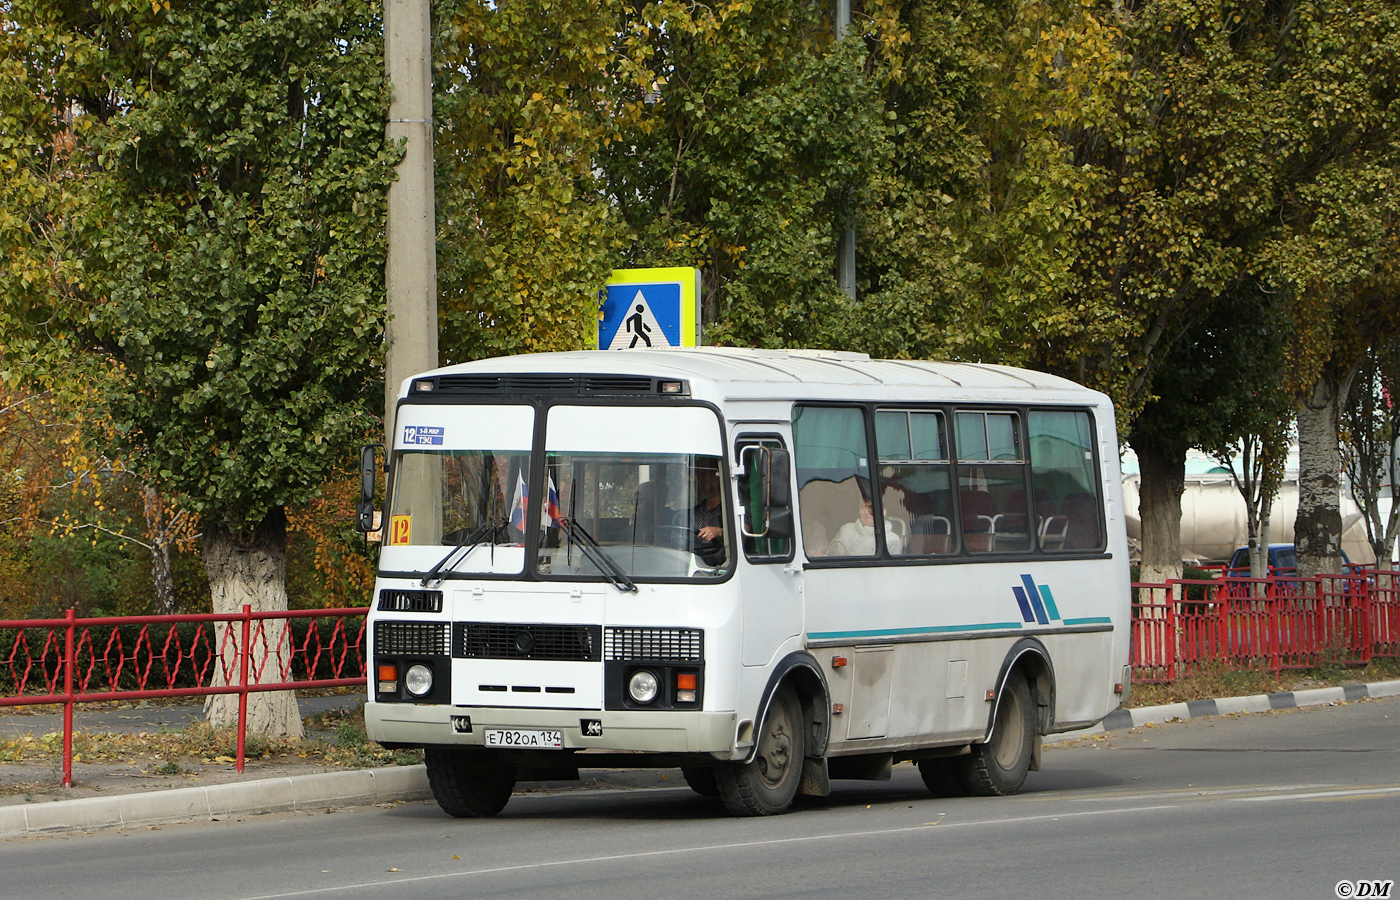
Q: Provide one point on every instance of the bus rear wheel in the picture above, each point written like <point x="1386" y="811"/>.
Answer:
<point x="469" y="783"/>
<point x="941" y="777"/>
<point x="998" y="767"/>
<point x="767" y="784"/>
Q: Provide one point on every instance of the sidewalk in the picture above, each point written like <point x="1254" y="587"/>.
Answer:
<point x="124" y="796"/>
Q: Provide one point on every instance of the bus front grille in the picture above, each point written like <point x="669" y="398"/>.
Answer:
<point x="499" y="640"/>
<point x="682" y="645"/>
<point x="411" y="639"/>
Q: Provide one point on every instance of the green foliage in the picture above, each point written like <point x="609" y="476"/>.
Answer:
<point x="527" y="94"/>
<point x="749" y="162"/>
<point x="216" y="261"/>
<point x="972" y="246"/>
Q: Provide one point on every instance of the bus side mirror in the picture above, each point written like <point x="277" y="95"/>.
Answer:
<point x="364" y="510"/>
<point x="779" y="480"/>
<point x="764" y="482"/>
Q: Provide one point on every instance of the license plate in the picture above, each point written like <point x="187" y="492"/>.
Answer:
<point x="520" y="737"/>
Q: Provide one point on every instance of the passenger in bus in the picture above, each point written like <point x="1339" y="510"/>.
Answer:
<point x="858" y="538"/>
<point x="705" y="520"/>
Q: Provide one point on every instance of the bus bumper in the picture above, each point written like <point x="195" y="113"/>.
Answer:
<point x="653" y="731"/>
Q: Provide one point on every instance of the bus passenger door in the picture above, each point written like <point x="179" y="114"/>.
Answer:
<point x="770" y="578"/>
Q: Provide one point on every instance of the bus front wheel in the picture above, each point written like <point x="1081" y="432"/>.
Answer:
<point x="701" y="780"/>
<point x="999" y="767"/>
<point x="767" y="784"/>
<point x="469" y="783"/>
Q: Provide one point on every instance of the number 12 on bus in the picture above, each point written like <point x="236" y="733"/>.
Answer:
<point x="770" y="569"/>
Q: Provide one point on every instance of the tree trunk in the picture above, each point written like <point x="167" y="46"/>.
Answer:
<point x="1317" y="533"/>
<point x="251" y="568"/>
<point x="158" y="530"/>
<point x="1159" y="507"/>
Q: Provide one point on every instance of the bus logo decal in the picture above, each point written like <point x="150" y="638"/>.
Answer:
<point x="1036" y="602"/>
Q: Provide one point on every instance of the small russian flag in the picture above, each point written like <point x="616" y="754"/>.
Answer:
<point x="521" y="504"/>
<point x="553" y="508"/>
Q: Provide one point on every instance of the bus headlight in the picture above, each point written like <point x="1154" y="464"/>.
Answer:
<point x="418" y="679"/>
<point x="643" y="686"/>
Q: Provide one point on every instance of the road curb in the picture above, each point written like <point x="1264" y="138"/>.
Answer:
<point x="357" y="787"/>
<point x="1194" y="709"/>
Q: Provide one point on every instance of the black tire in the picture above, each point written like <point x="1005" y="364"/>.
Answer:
<point x="940" y="776"/>
<point x="701" y="780"/>
<point x="767" y="784"/>
<point x="998" y="767"/>
<point x="469" y="783"/>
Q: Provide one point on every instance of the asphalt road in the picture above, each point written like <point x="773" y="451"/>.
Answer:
<point x="1278" y="805"/>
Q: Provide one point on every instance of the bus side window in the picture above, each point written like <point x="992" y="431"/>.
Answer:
<point x="916" y="486"/>
<point x="833" y="477"/>
<point x="1065" y="480"/>
<point x="992" y="481"/>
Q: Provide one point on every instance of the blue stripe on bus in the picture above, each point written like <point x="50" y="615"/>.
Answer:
<point x="895" y="632"/>
<point x="1050" y="606"/>
<point x="1034" y="596"/>
<point x="1092" y="620"/>
<point x="1025" y="604"/>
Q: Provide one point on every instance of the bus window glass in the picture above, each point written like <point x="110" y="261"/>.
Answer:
<point x="833" y="479"/>
<point x="972" y="436"/>
<point x="916" y="486"/>
<point x="640" y="490"/>
<point x="926" y="436"/>
<point x="1001" y="437"/>
<point x="653" y="515"/>
<point x="892" y="435"/>
<point x="992" y="483"/>
<point x="455" y="476"/>
<point x="1064" y="481"/>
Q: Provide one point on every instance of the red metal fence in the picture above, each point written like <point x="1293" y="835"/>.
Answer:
<point x="1275" y="623"/>
<point x="70" y="660"/>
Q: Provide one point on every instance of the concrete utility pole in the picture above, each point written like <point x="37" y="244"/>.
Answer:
<point x="410" y="275"/>
<point x="846" y="247"/>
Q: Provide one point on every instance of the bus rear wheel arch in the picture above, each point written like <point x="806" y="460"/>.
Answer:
<point x="998" y="767"/>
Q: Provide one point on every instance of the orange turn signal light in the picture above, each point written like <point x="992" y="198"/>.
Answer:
<point x="388" y="672"/>
<point x="685" y="681"/>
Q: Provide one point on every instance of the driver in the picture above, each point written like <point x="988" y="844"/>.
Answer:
<point x="705" y="520"/>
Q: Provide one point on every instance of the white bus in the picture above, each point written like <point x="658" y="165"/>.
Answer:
<point x="768" y="568"/>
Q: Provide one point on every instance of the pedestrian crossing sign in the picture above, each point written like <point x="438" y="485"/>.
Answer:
<point x="650" y="309"/>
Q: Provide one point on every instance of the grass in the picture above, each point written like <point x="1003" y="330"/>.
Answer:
<point x="1220" y="682"/>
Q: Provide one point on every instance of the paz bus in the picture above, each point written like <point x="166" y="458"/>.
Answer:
<point x="769" y="568"/>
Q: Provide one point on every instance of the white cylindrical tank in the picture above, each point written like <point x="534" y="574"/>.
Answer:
<point x="1213" y="518"/>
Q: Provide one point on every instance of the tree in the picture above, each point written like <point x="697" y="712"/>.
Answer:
<point x="527" y="96"/>
<point x="209" y="255"/>
<point x="1370" y="441"/>
<point x="752" y="148"/>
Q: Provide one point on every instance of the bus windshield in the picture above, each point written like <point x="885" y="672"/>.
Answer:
<point x="460" y="482"/>
<point x="635" y="491"/>
<point x="653" y="515"/>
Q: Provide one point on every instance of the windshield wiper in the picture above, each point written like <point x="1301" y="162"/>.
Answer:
<point x="595" y="552"/>
<point x="477" y="535"/>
